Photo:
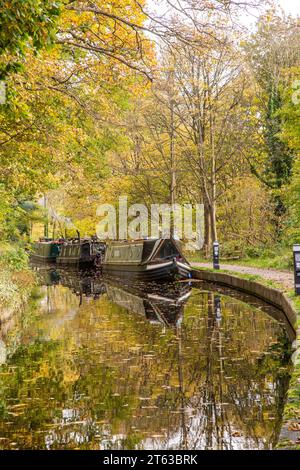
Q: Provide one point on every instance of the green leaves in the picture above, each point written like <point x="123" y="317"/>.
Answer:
<point x="25" y="25"/>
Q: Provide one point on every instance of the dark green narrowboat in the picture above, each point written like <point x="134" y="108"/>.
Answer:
<point x="148" y="260"/>
<point x="81" y="252"/>
<point x="46" y="250"/>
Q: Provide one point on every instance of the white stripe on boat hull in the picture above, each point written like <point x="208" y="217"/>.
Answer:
<point x="160" y="265"/>
<point x="185" y="266"/>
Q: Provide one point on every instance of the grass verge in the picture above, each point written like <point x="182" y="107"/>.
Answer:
<point x="282" y="259"/>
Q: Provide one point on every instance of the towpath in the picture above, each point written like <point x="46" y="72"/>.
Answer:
<point x="286" y="278"/>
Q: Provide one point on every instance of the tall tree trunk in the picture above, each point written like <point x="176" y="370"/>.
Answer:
<point x="213" y="174"/>
<point x="172" y="149"/>
<point x="172" y="156"/>
<point x="206" y="245"/>
<point x="213" y="222"/>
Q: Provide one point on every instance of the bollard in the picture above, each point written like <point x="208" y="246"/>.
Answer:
<point x="216" y="255"/>
<point x="296" y="252"/>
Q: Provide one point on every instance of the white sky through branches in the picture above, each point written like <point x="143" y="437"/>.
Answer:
<point x="291" y="6"/>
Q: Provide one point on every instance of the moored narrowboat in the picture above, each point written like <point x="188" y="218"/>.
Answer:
<point x="79" y="252"/>
<point x="148" y="260"/>
<point x="46" y="250"/>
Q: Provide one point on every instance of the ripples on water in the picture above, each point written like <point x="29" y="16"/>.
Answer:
<point x="104" y="365"/>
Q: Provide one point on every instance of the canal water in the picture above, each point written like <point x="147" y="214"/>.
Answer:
<point x="98" y="364"/>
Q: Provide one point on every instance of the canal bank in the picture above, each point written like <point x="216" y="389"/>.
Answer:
<point x="285" y="301"/>
<point x="17" y="282"/>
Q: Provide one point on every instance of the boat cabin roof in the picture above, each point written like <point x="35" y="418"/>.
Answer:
<point x="83" y="241"/>
<point x="49" y="241"/>
<point x="141" y="251"/>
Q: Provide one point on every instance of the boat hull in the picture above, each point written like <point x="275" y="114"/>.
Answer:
<point x="42" y="259"/>
<point x="75" y="261"/>
<point x="164" y="271"/>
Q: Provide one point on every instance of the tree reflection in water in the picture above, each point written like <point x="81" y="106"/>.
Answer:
<point x="95" y="365"/>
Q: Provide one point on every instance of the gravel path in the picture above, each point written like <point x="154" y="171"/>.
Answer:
<point x="286" y="278"/>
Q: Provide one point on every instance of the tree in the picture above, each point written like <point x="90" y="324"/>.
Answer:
<point x="272" y="53"/>
<point x="25" y="25"/>
<point x="61" y="109"/>
<point x="211" y="85"/>
<point x="290" y="115"/>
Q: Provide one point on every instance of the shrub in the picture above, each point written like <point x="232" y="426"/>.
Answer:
<point x="15" y="259"/>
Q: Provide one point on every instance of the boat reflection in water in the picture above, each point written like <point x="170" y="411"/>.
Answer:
<point x="159" y="303"/>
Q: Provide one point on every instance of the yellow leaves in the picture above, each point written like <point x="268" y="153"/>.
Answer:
<point x="108" y="31"/>
<point x="72" y="18"/>
<point x="115" y="186"/>
<point x="67" y="99"/>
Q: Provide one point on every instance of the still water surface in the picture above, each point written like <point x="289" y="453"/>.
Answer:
<point x="102" y="365"/>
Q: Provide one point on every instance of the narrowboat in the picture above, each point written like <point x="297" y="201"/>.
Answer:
<point x="79" y="252"/>
<point x="46" y="249"/>
<point x="146" y="259"/>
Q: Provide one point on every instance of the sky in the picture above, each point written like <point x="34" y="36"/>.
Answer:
<point x="291" y="6"/>
<point x="246" y="18"/>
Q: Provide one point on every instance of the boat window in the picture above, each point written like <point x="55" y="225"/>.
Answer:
<point x="125" y="253"/>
